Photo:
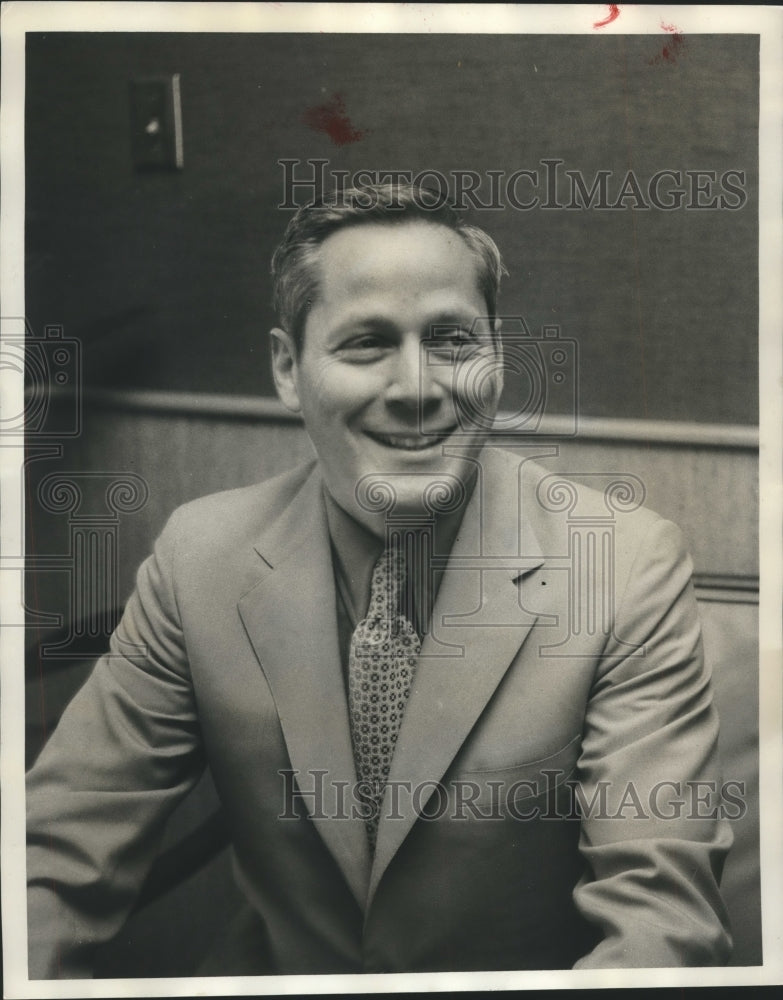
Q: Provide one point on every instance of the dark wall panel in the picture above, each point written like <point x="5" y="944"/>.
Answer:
<point x="164" y="276"/>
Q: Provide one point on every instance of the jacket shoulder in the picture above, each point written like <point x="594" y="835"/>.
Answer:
<point x="604" y="509"/>
<point x="241" y="512"/>
<point x="616" y="498"/>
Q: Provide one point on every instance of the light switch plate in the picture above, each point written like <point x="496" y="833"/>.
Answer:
<point x="156" y="123"/>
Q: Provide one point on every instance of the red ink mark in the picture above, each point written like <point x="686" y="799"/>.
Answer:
<point x="332" y="119"/>
<point x="614" y="13"/>
<point x="673" y="50"/>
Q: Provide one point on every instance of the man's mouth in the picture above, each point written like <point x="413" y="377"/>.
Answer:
<point x="410" y="442"/>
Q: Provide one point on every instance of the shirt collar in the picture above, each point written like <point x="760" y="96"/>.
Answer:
<point x="357" y="550"/>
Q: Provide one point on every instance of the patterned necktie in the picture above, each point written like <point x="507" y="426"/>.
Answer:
<point x="382" y="658"/>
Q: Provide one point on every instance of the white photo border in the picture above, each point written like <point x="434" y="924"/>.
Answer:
<point x="19" y="18"/>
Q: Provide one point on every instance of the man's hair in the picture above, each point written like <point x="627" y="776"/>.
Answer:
<point x="294" y="264"/>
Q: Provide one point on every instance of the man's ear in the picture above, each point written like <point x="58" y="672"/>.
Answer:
<point x="285" y="368"/>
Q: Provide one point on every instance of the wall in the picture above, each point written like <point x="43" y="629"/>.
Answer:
<point x="163" y="276"/>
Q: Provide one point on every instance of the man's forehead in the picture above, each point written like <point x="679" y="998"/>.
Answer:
<point x="417" y="255"/>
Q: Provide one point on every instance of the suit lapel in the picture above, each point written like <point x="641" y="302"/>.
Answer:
<point x="481" y="615"/>
<point x="290" y="621"/>
<point x="479" y="625"/>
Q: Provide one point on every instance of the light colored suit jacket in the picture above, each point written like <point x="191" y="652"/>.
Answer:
<point x="542" y="809"/>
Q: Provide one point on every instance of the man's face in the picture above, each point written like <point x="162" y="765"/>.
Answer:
<point x="369" y="403"/>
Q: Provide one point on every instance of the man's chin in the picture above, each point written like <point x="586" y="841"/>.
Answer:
<point x="398" y="494"/>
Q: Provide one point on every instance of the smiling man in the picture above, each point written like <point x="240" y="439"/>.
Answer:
<point x="436" y="748"/>
<point x="368" y="403"/>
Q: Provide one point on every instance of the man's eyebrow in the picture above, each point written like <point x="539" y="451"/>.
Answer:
<point x="453" y="318"/>
<point x="362" y="321"/>
<point x="388" y="323"/>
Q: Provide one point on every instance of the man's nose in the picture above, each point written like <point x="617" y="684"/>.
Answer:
<point x="412" y="385"/>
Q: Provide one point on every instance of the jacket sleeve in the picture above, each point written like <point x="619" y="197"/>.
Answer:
<point x="652" y="835"/>
<point x="125" y="752"/>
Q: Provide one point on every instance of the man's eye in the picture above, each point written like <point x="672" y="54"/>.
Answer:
<point x="452" y="346"/>
<point x="454" y="335"/>
<point x="366" y="346"/>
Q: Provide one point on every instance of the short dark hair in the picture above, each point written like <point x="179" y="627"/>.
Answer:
<point x="293" y="271"/>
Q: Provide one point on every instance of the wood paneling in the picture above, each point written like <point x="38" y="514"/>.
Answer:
<point x="711" y="493"/>
<point x="709" y="488"/>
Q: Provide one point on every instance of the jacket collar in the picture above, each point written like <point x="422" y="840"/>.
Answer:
<point x="290" y="618"/>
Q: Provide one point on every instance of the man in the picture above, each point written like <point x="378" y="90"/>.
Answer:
<point x="437" y="746"/>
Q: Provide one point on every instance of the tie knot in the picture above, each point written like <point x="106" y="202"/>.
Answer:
<point x="388" y="580"/>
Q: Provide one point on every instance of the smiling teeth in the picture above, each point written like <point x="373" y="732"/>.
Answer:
<point x="416" y="443"/>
